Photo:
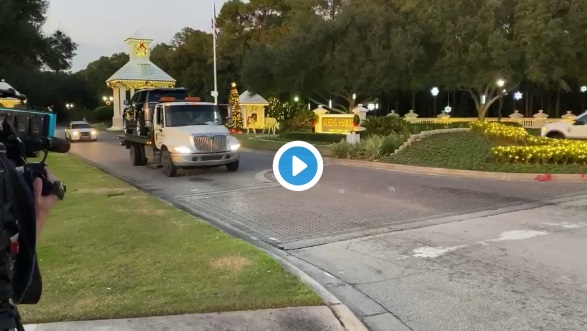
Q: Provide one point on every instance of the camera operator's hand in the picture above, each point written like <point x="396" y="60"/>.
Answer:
<point x="43" y="204"/>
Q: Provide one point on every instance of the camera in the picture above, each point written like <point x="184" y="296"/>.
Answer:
<point x="23" y="134"/>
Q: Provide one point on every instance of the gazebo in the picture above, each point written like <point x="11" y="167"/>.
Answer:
<point x="138" y="73"/>
<point x="253" y="110"/>
<point x="8" y="102"/>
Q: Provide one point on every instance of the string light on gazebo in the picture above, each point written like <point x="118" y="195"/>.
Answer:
<point x="448" y="109"/>
<point x="583" y="89"/>
<point x="518" y="96"/>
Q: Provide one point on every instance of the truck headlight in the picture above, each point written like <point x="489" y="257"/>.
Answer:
<point x="235" y="147"/>
<point x="182" y="150"/>
<point x="75" y="133"/>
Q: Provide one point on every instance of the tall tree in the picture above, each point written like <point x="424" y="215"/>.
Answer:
<point x="477" y="50"/>
<point x="97" y="72"/>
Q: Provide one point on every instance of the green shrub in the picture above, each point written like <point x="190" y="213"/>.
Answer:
<point x="392" y="142"/>
<point x="102" y="114"/>
<point x="315" y="137"/>
<point x="300" y="122"/>
<point x="514" y="124"/>
<point x="342" y="150"/>
<point x="383" y="126"/>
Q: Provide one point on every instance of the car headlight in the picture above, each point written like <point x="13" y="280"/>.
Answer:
<point x="182" y="150"/>
<point x="75" y="133"/>
<point x="94" y="132"/>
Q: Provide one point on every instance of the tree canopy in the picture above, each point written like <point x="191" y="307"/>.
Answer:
<point x="347" y="52"/>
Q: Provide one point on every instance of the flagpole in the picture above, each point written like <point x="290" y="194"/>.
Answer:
<point x="215" y="92"/>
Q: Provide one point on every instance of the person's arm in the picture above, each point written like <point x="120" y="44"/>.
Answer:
<point x="43" y="204"/>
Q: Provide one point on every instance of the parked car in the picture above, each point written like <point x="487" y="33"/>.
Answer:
<point x="80" y="131"/>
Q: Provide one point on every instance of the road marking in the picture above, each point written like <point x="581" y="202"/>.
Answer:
<point x="519" y="235"/>
<point x="434" y="252"/>
<point x="567" y="225"/>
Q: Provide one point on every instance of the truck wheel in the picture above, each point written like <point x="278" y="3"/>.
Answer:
<point x="555" y="135"/>
<point x="232" y="167"/>
<point x="137" y="156"/>
<point x="169" y="169"/>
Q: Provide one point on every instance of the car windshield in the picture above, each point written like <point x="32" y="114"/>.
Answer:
<point x="154" y="96"/>
<point x="80" y="126"/>
<point x="185" y="115"/>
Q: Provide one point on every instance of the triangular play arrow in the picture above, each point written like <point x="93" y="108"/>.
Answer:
<point x="297" y="166"/>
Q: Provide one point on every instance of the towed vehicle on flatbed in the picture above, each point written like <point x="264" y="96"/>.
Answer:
<point x="183" y="134"/>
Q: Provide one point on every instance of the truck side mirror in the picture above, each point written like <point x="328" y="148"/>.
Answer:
<point x="229" y="121"/>
<point x="125" y="102"/>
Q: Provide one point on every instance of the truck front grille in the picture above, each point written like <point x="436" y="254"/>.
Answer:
<point x="210" y="143"/>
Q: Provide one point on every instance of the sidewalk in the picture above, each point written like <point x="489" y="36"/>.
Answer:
<point x="318" y="318"/>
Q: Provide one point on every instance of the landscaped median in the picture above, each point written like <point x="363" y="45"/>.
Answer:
<point x="111" y="251"/>
<point x="489" y="147"/>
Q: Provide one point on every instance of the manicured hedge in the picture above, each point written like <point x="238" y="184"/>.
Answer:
<point x="315" y="137"/>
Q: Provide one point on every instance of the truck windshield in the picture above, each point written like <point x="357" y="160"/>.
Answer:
<point x="154" y="96"/>
<point x="185" y="115"/>
<point x="582" y="119"/>
<point x="81" y="126"/>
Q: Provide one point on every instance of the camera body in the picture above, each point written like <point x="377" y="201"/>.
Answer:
<point x="23" y="134"/>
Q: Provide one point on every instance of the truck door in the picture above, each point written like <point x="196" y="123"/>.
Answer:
<point x="158" y="124"/>
<point x="579" y="129"/>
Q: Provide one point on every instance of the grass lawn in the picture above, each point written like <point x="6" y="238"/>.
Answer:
<point x="468" y="151"/>
<point x="112" y="251"/>
<point x="248" y="141"/>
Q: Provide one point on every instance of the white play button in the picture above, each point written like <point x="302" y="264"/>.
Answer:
<point x="297" y="166"/>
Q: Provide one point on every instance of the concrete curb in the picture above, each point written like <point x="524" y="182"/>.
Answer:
<point x="505" y="176"/>
<point x="345" y="316"/>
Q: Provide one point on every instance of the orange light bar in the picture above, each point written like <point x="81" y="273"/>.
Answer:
<point x="193" y="99"/>
<point x="163" y="99"/>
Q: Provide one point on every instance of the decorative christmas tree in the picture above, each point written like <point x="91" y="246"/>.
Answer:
<point x="237" y="117"/>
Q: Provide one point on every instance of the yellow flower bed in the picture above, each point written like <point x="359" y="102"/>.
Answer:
<point x="531" y="149"/>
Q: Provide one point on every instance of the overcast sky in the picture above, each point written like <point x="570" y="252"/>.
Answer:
<point x="101" y="26"/>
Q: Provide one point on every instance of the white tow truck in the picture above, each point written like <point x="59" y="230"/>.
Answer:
<point x="567" y="130"/>
<point x="183" y="134"/>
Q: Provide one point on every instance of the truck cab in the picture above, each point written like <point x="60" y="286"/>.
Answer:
<point x="185" y="134"/>
<point x="567" y="130"/>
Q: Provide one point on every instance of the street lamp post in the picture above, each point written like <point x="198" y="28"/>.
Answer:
<point x="107" y="100"/>
<point x="583" y="90"/>
<point x="500" y="84"/>
<point x="517" y="97"/>
<point x="434" y="92"/>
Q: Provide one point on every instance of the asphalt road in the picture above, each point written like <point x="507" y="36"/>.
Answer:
<point x="318" y="226"/>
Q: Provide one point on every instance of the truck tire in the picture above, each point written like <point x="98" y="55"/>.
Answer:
<point x="137" y="155"/>
<point x="169" y="169"/>
<point x="232" y="167"/>
<point x="555" y="135"/>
